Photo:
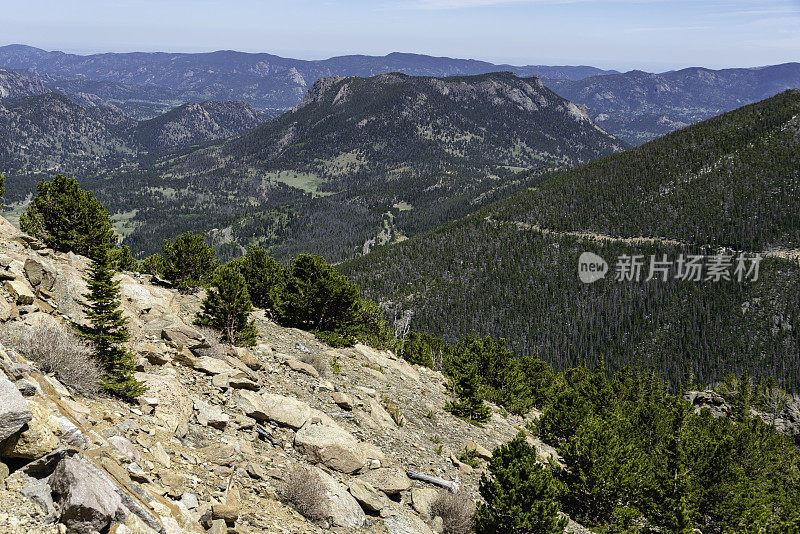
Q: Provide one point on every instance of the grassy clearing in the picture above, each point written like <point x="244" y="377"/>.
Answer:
<point x="123" y="222"/>
<point x="308" y="182"/>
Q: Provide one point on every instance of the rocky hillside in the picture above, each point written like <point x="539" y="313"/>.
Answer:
<point x="347" y="126"/>
<point x="192" y="124"/>
<point x="15" y="85"/>
<point x="81" y="133"/>
<point x="220" y="433"/>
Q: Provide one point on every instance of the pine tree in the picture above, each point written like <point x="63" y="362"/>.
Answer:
<point x="107" y="327"/>
<point x="123" y="259"/>
<point x="463" y="377"/>
<point x="263" y="275"/>
<point x="314" y="296"/>
<point x="68" y="218"/>
<point x="187" y="261"/>
<point x="227" y="307"/>
<point x="520" y="496"/>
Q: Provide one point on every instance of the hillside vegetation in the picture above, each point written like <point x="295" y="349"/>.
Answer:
<point x="328" y="176"/>
<point x="511" y="269"/>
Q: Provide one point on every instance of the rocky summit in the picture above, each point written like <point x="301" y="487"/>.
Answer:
<point x="221" y="433"/>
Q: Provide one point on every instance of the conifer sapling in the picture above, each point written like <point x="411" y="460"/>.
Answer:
<point x="227" y="307"/>
<point x="107" y="328"/>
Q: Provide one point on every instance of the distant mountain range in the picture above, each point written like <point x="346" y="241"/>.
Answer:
<point x="635" y="106"/>
<point x="144" y="83"/>
<point x="640" y="106"/>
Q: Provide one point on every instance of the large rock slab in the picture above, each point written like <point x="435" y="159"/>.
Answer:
<point x="406" y="524"/>
<point x="39" y="437"/>
<point x="20" y="292"/>
<point x="213" y="366"/>
<point x="341" y="508"/>
<point x="141" y="299"/>
<point x="332" y="446"/>
<point x="286" y="411"/>
<point x="390" y="480"/>
<point x="175" y="406"/>
<point x="178" y="334"/>
<point x="40" y="274"/>
<point x="422" y="498"/>
<point x="14" y="411"/>
<point x="368" y="497"/>
<point x="87" y="501"/>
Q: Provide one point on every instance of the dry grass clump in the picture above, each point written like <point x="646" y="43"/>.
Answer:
<point x="456" y="510"/>
<point x="217" y="349"/>
<point x="306" y="493"/>
<point x="56" y="349"/>
<point x="316" y="361"/>
<point x="394" y="410"/>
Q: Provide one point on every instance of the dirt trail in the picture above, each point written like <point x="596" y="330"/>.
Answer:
<point x="792" y="255"/>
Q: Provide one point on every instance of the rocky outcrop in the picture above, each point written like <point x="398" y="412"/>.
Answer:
<point x="88" y="502"/>
<point x="330" y="445"/>
<point x="390" y="480"/>
<point x="340" y="507"/>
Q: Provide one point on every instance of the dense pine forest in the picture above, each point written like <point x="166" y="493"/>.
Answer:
<point x="494" y="273"/>
<point x="732" y="181"/>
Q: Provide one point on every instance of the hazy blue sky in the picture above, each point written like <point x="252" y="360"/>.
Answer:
<point x="623" y="34"/>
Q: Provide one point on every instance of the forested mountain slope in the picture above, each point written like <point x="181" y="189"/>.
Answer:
<point x="511" y="270"/>
<point x="15" y="85"/>
<point x="733" y="181"/>
<point x="49" y="133"/>
<point x="360" y="162"/>
<point x="359" y="126"/>
<point x="192" y="124"/>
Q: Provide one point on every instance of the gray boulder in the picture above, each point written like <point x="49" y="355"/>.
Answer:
<point x="340" y="507"/>
<point x="14" y="411"/>
<point x="390" y="480"/>
<point x="330" y="445"/>
<point x="87" y="501"/>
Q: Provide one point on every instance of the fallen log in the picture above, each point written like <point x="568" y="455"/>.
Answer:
<point x="453" y="486"/>
<point x="263" y="433"/>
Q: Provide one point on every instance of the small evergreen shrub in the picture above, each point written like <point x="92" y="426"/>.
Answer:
<point x="227" y="307"/>
<point x="520" y="496"/>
